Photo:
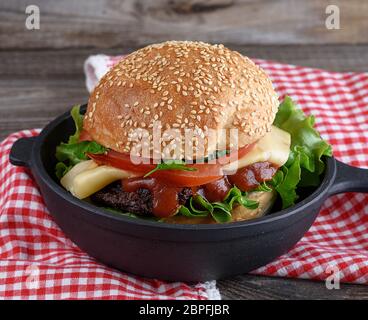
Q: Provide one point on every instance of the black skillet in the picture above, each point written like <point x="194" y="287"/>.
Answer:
<point x="171" y="251"/>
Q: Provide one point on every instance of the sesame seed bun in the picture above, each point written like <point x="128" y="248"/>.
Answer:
<point x="184" y="85"/>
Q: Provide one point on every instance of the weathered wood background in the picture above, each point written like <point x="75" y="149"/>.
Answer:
<point x="117" y="23"/>
<point x="41" y="70"/>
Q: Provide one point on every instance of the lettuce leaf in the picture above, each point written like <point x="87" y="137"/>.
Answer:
<point x="70" y="153"/>
<point x="305" y="163"/>
<point x="78" y="122"/>
<point x="220" y="211"/>
<point x="77" y="152"/>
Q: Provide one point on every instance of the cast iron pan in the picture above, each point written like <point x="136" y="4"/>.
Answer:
<point x="168" y="251"/>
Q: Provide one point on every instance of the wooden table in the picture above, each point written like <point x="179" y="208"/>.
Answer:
<point x="36" y="86"/>
<point x="41" y="70"/>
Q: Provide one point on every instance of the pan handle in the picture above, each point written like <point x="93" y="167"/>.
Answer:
<point x="21" y="152"/>
<point x="349" y="179"/>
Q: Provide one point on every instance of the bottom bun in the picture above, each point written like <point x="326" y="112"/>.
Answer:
<point x="239" y="213"/>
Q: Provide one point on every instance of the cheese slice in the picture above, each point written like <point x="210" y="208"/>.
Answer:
<point x="88" y="179"/>
<point x="274" y="147"/>
<point x="67" y="180"/>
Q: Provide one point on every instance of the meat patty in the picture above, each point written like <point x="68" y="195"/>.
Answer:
<point x="138" y="202"/>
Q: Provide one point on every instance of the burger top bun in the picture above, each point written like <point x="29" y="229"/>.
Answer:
<point x="183" y="85"/>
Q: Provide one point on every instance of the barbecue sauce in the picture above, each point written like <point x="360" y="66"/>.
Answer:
<point x="216" y="190"/>
<point x="165" y="197"/>
<point x="246" y="179"/>
<point x="251" y="176"/>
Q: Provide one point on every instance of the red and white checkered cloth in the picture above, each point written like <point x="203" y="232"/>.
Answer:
<point x="37" y="261"/>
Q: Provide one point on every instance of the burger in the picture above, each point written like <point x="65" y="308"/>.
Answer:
<point x="189" y="132"/>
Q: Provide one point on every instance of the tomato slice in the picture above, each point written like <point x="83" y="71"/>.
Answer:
<point x="121" y="161"/>
<point x="203" y="173"/>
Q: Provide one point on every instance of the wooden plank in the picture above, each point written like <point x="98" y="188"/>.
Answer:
<point x="253" y="287"/>
<point x="110" y="23"/>
<point x="32" y="103"/>
<point x="69" y="62"/>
